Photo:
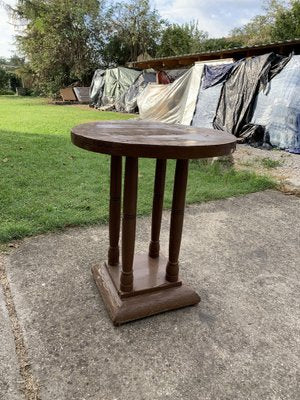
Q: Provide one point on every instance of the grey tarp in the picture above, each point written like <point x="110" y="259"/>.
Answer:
<point x="96" y="88"/>
<point x="206" y="107"/>
<point x="278" y="107"/>
<point x="82" y="94"/>
<point x="209" y="93"/>
<point x="130" y="97"/>
<point x="116" y="83"/>
<point x="235" y="108"/>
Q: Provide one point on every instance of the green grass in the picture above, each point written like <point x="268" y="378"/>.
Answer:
<point x="46" y="183"/>
<point x="269" y="163"/>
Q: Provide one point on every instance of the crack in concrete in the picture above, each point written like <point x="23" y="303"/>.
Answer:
<point x="30" y="387"/>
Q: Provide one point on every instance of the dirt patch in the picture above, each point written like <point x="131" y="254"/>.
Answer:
<point x="282" y="166"/>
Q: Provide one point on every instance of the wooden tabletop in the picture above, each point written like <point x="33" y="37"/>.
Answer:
<point x="134" y="138"/>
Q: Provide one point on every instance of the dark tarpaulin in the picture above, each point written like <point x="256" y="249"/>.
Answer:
<point x="235" y="108"/>
<point x="214" y="74"/>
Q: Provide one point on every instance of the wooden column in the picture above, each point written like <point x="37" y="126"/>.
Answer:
<point x="129" y="223"/>
<point x="158" y="198"/>
<point x="114" y="209"/>
<point x="177" y="215"/>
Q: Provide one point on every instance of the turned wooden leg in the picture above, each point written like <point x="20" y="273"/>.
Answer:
<point x="114" y="209"/>
<point x="177" y="214"/>
<point x="129" y="223"/>
<point x="158" y="199"/>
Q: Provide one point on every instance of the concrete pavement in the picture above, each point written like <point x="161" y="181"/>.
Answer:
<point x="241" y="342"/>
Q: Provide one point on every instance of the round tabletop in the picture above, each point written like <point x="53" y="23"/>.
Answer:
<point x="135" y="138"/>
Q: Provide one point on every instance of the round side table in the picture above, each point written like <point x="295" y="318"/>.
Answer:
<point x="147" y="284"/>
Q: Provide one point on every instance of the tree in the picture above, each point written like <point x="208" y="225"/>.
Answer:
<point x="215" y="44"/>
<point x="61" y="40"/>
<point x="287" y="22"/>
<point x="281" y="21"/>
<point x="257" y="31"/>
<point x="4" y="78"/>
<point x="9" y="78"/>
<point x="133" y="28"/>
<point x="181" y="39"/>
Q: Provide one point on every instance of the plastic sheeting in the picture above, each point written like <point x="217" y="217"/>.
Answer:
<point x="116" y="83"/>
<point x="235" y="108"/>
<point x="82" y="94"/>
<point x="216" y="74"/>
<point x="96" y="88"/>
<point x="130" y="98"/>
<point x="209" y="93"/>
<point x="206" y="107"/>
<point x="278" y="107"/>
<point x="173" y="103"/>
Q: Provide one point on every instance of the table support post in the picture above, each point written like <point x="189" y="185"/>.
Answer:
<point x="129" y="223"/>
<point x="114" y="209"/>
<point x="158" y="198"/>
<point x="177" y="215"/>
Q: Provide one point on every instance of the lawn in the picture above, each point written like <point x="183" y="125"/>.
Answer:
<point x="46" y="183"/>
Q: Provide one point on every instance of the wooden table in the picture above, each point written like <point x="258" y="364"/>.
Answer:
<point x="147" y="284"/>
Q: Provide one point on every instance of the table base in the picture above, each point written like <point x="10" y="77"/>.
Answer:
<point x="148" y="301"/>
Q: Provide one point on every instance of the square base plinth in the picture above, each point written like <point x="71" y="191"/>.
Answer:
<point x="141" y="304"/>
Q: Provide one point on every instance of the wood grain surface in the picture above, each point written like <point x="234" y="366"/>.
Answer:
<point x="152" y="140"/>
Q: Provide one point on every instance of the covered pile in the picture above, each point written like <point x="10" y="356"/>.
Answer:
<point x="117" y="88"/>
<point x="256" y="99"/>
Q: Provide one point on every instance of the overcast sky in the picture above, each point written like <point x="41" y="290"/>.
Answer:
<point x="217" y="17"/>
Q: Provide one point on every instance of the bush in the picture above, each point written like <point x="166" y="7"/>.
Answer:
<point x="6" y="92"/>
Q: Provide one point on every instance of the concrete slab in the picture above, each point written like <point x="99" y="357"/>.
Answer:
<point x="10" y="379"/>
<point x="241" y="342"/>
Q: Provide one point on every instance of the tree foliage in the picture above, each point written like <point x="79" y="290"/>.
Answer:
<point x="133" y="28"/>
<point x="181" y="39"/>
<point x="64" y="41"/>
<point x="281" y="21"/>
<point x="60" y="40"/>
<point x="9" y="78"/>
<point x="287" y="22"/>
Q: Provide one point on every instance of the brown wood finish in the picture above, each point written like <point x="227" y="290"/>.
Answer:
<point x="129" y="223"/>
<point x="152" y="140"/>
<point x="177" y="215"/>
<point x="149" y="275"/>
<point x="115" y="209"/>
<point x="144" y="285"/>
<point x="136" y="307"/>
<point x="157" y="207"/>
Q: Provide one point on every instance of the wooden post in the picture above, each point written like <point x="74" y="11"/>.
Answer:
<point x="158" y="199"/>
<point x="114" y="209"/>
<point x="129" y="223"/>
<point x="177" y="215"/>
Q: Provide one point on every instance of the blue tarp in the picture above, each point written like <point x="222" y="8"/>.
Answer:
<point x="277" y="108"/>
<point x="216" y="74"/>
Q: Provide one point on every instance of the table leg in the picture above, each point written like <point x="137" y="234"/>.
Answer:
<point x="158" y="198"/>
<point x="129" y="223"/>
<point x="155" y="290"/>
<point x="177" y="215"/>
<point x="114" y="209"/>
